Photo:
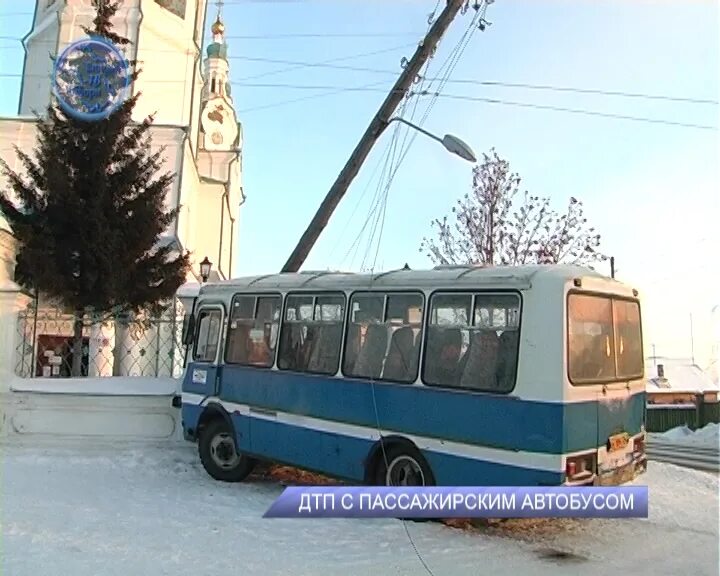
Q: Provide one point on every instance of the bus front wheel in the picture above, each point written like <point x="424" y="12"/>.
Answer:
<point x="219" y="455"/>
<point x="403" y="465"/>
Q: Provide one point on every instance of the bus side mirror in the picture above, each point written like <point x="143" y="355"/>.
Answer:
<point x="188" y="331"/>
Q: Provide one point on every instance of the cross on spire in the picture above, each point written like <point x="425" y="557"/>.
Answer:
<point x="218" y="28"/>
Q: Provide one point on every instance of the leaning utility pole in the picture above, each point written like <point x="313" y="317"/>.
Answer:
<point x="378" y="124"/>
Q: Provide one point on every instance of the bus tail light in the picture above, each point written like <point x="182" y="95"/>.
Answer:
<point x="580" y="467"/>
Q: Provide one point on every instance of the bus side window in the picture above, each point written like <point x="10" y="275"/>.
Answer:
<point x="311" y="333"/>
<point x="403" y="357"/>
<point x="327" y="334"/>
<point x="241" y="321"/>
<point x="206" y="340"/>
<point x="372" y="353"/>
<point x="382" y="341"/>
<point x="488" y="360"/>
<point x="444" y="355"/>
<point x="442" y="358"/>
<point x="252" y="332"/>
<point x="366" y="338"/>
<point x="294" y="343"/>
<point x="262" y="338"/>
<point x="492" y="358"/>
<point x="480" y="370"/>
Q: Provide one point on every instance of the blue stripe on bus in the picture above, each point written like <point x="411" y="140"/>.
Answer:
<point x="503" y="422"/>
<point x="345" y="456"/>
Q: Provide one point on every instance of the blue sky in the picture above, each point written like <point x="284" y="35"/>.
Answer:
<point x="650" y="189"/>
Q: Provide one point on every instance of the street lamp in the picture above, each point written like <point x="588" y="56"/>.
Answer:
<point x="205" y="267"/>
<point x="452" y="143"/>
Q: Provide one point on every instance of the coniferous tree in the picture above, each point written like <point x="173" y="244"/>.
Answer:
<point x="89" y="215"/>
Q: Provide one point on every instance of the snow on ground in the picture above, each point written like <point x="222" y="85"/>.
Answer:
<point x="84" y="511"/>
<point x="705" y="437"/>
<point x="116" y="386"/>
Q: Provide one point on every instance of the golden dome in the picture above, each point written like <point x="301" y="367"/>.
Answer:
<point x="218" y="27"/>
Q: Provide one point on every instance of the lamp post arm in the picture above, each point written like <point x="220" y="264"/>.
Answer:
<point x="421" y="130"/>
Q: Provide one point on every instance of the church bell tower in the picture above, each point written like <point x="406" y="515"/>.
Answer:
<point x="220" y="132"/>
<point x="219" y="151"/>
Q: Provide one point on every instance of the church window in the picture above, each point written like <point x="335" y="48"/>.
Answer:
<point x="177" y="7"/>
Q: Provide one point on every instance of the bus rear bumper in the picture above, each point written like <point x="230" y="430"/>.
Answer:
<point x="624" y="474"/>
<point x="615" y="477"/>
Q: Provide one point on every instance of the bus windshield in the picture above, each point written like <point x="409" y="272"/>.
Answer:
<point x="604" y="339"/>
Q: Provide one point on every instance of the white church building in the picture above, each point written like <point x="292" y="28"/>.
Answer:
<point x="189" y="93"/>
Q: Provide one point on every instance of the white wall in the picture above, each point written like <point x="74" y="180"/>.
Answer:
<point x="31" y="417"/>
<point x="7" y="256"/>
<point x="164" y="45"/>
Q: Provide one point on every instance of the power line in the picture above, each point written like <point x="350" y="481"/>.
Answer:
<point x="369" y="88"/>
<point x="331" y="90"/>
<point x="299" y="64"/>
<point x="338" y="59"/>
<point x="322" y="35"/>
<point x="580" y="111"/>
<point x="588" y="91"/>
<point x="490" y="82"/>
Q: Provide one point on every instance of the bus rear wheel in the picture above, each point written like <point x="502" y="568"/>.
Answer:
<point x="403" y="465"/>
<point x="219" y="454"/>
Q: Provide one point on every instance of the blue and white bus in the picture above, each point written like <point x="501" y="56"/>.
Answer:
<point x="453" y="376"/>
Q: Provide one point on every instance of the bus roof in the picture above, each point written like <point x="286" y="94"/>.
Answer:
<point x="441" y="276"/>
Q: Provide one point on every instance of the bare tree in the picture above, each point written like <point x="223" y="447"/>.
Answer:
<point x="497" y="225"/>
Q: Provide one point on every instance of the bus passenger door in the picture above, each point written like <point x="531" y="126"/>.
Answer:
<point x="202" y="376"/>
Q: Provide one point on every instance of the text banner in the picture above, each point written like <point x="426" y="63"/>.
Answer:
<point x="461" y="502"/>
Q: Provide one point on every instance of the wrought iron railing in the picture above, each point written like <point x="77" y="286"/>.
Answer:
<point x="113" y="344"/>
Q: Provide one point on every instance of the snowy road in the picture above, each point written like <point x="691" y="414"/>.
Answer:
<point x="147" y="511"/>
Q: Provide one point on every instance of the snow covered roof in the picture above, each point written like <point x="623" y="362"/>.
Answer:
<point x="455" y="276"/>
<point x="680" y="376"/>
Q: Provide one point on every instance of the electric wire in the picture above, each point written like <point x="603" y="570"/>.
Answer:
<point x="331" y="60"/>
<point x="453" y="58"/>
<point x="300" y="64"/>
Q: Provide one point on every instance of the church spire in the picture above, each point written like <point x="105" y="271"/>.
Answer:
<point x="218" y="28"/>
<point x="218" y="121"/>
<point x="218" y="47"/>
<point x="217" y="67"/>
